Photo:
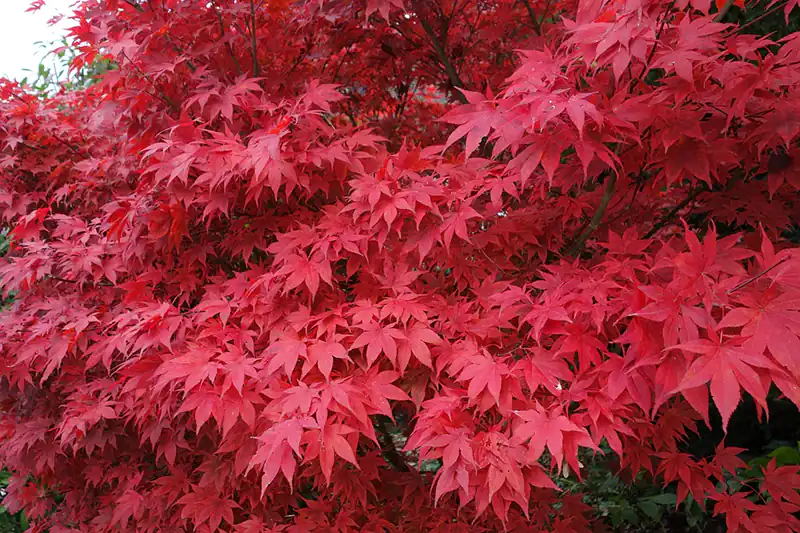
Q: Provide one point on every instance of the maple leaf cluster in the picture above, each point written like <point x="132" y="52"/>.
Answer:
<point x="352" y="265"/>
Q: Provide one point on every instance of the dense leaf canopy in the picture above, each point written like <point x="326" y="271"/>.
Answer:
<point x="397" y="265"/>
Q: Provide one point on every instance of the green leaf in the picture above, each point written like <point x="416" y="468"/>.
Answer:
<point x="629" y="513"/>
<point x="661" y="499"/>
<point x="756" y="464"/>
<point x="733" y="485"/>
<point x="651" y="509"/>
<point x="786" y="455"/>
<point x="616" y="514"/>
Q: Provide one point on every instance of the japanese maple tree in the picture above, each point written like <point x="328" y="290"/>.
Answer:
<point x="397" y="265"/>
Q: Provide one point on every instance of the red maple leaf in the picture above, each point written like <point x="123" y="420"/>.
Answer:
<point x="727" y="365"/>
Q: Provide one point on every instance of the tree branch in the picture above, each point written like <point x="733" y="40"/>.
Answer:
<point x="389" y="450"/>
<point x="441" y="54"/>
<point x="597" y="218"/>
<point x="159" y="93"/>
<point x="669" y="216"/>
<point x="537" y="26"/>
<point x="652" y="53"/>
<point x="134" y="5"/>
<point x="253" y="41"/>
<point x="227" y="43"/>
<point x="723" y="11"/>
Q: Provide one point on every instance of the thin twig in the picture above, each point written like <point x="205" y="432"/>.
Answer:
<point x="622" y="212"/>
<point x="402" y="104"/>
<point x="492" y="260"/>
<point x="72" y="148"/>
<point x="758" y="276"/>
<point x="189" y="63"/>
<point x="767" y="13"/>
<point x="473" y="27"/>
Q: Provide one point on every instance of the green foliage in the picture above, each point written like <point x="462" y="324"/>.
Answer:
<point x="55" y="71"/>
<point x="782" y="455"/>
<point x="4" y="244"/>
<point x="9" y="523"/>
<point x="644" y="506"/>
<point x="641" y="505"/>
<point x="765" y="19"/>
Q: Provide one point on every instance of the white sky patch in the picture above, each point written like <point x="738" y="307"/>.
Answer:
<point x="20" y="32"/>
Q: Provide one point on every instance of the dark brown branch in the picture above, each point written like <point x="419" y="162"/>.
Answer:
<point x="189" y="63"/>
<point x="545" y="12"/>
<point x="441" y="54"/>
<point x="577" y="245"/>
<point x="674" y="212"/>
<point x="134" y="5"/>
<point x="723" y="11"/>
<point x="473" y="29"/>
<point x="394" y="457"/>
<point x="652" y="53"/>
<point x="301" y="56"/>
<point x="253" y="41"/>
<point x="401" y="104"/>
<point x="227" y="43"/>
<point x="159" y="93"/>
<point x="341" y="61"/>
<point x="537" y="26"/>
<point x="349" y="112"/>
<point x="71" y="148"/>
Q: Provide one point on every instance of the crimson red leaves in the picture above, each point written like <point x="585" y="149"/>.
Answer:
<point x="395" y="266"/>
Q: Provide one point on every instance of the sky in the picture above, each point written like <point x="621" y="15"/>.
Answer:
<point x="19" y="32"/>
